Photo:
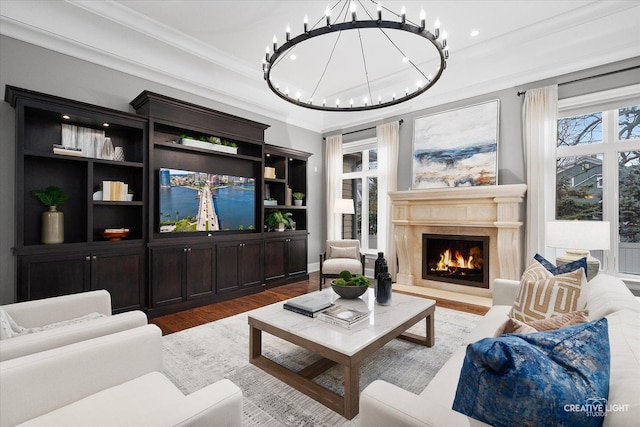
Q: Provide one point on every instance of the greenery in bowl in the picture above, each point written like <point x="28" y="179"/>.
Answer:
<point x="51" y="196"/>
<point x="347" y="279"/>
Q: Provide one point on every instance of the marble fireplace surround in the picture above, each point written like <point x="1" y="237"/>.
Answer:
<point x="494" y="211"/>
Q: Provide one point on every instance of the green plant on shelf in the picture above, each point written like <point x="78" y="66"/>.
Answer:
<point x="51" y="196"/>
<point x="298" y="196"/>
<point x="274" y="218"/>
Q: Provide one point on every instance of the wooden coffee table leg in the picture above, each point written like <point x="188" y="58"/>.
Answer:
<point x="431" y="334"/>
<point x="351" y="391"/>
<point x="255" y="343"/>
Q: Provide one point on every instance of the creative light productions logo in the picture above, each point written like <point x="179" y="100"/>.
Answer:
<point x="595" y="407"/>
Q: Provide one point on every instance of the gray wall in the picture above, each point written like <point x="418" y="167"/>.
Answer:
<point x="30" y="67"/>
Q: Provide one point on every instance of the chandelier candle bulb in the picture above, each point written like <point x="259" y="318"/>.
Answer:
<point x="266" y="57"/>
<point x="306" y="24"/>
<point x="436" y="25"/>
<point x="379" y="99"/>
<point x="353" y="10"/>
<point x="275" y="44"/>
<point x="338" y="102"/>
<point x="288" y="33"/>
<point x="403" y="14"/>
<point x="379" y="9"/>
<point x="423" y="17"/>
<point x="328" y="14"/>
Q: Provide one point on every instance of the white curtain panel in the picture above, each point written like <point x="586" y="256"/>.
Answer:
<point x="388" y="143"/>
<point x="540" y="128"/>
<point x="334" y="185"/>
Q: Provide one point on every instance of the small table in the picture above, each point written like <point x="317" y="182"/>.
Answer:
<point x="338" y="345"/>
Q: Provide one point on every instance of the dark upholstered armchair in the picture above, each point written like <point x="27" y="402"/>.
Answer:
<point x="340" y="255"/>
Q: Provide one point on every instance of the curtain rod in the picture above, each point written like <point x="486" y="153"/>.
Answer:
<point x="590" y="77"/>
<point x="365" y="129"/>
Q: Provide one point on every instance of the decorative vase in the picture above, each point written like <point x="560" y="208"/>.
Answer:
<point x="288" y="197"/>
<point x="377" y="269"/>
<point x="107" y="149"/>
<point x="383" y="295"/>
<point x="52" y="226"/>
<point x="118" y="154"/>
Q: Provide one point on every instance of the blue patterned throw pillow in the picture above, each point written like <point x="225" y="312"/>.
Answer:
<point x="558" y="378"/>
<point x="566" y="268"/>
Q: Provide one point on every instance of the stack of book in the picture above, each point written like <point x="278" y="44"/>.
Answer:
<point x="309" y="306"/>
<point x="66" y="150"/>
<point x="343" y="316"/>
<point x="114" y="191"/>
<point x="269" y="172"/>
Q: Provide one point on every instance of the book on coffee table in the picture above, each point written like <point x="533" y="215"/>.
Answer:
<point x="343" y="316"/>
<point x="307" y="305"/>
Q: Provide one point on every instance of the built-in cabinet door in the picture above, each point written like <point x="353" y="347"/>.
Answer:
<point x="46" y="276"/>
<point x="167" y="272"/>
<point x="251" y="264"/>
<point x="122" y="274"/>
<point x="297" y="256"/>
<point x="275" y="266"/>
<point x="199" y="272"/>
<point x="228" y="267"/>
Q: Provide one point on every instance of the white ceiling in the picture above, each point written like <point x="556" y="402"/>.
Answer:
<point x="214" y="48"/>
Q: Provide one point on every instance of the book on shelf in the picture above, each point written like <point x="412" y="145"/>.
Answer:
<point x="343" y="316"/>
<point x="115" y="191"/>
<point x="66" y="150"/>
<point x="307" y="305"/>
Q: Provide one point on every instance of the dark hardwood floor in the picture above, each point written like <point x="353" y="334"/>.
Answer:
<point x="198" y="316"/>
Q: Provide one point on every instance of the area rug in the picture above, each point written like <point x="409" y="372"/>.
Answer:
<point x="199" y="356"/>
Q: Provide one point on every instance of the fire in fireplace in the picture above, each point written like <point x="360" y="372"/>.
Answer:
<point x="463" y="260"/>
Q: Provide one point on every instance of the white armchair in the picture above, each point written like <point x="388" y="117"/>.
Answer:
<point x="341" y="255"/>
<point x="113" y="380"/>
<point x="39" y="313"/>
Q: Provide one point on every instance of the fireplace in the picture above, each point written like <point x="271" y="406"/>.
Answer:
<point x="463" y="260"/>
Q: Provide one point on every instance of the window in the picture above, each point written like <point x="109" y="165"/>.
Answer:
<point x="598" y="177"/>
<point x="360" y="183"/>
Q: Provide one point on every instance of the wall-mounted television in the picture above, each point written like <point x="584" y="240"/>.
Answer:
<point x="193" y="201"/>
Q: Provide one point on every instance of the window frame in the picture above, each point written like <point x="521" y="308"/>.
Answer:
<point x="363" y="147"/>
<point x="607" y="103"/>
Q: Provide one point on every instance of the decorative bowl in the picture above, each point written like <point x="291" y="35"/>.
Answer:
<point x="115" y="234"/>
<point x="349" y="292"/>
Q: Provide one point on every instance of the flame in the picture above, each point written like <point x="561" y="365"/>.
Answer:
<point x="458" y="260"/>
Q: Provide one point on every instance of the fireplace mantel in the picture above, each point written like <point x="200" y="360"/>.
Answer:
<point x="493" y="211"/>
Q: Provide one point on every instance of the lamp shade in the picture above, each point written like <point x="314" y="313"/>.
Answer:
<point x="578" y="235"/>
<point x="343" y="206"/>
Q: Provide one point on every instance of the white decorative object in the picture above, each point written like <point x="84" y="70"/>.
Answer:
<point x="107" y="150"/>
<point x="118" y="154"/>
<point x="208" y="146"/>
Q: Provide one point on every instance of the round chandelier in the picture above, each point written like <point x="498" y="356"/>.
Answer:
<point x="349" y="64"/>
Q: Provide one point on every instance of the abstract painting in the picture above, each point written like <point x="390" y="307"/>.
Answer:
<point x="457" y="148"/>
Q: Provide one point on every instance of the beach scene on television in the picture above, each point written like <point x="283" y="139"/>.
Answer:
<point x="197" y="201"/>
<point x="457" y="148"/>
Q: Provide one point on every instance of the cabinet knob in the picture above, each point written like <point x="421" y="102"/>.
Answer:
<point x="189" y="249"/>
<point x="184" y="249"/>
<point x="87" y="258"/>
<point x="94" y="257"/>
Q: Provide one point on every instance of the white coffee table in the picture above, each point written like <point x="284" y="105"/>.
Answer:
<point x="337" y="345"/>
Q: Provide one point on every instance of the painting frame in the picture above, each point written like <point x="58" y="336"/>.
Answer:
<point x="446" y="155"/>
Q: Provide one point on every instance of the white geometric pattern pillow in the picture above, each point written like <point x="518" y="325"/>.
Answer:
<point x="542" y="295"/>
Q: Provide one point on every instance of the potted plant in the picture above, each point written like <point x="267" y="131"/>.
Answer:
<point x="277" y="220"/>
<point x="270" y="201"/>
<point x="52" y="220"/>
<point x="297" y="198"/>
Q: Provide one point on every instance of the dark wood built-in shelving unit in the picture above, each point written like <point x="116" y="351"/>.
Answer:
<point x="149" y="270"/>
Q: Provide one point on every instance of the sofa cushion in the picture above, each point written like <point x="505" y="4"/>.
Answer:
<point x="624" y="340"/>
<point x="530" y="379"/>
<point x="343" y="252"/>
<point x="336" y="265"/>
<point x="542" y="295"/>
<point x="607" y="294"/>
<point x="565" y="268"/>
<point x="512" y="326"/>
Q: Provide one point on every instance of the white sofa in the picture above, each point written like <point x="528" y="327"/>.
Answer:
<point x="114" y="380"/>
<point x="39" y="313"/>
<point x="383" y="404"/>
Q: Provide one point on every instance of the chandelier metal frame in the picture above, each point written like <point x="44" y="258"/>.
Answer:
<point x="275" y="52"/>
